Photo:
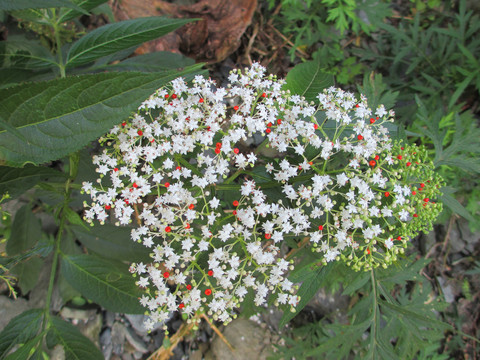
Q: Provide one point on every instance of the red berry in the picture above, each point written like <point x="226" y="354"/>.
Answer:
<point x="168" y="229"/>
<point x="377" y="157"/>
<point x="399" y="157"/>
<point x="189" y="287"/>
<point x="201" y="100"/>
<point x="135" y="185"/>
<point x="415" y="215"/>
<point x="268" y="236"/>
<point x="167" y="184"/>
<point x="264" y="95"/>
<point x="191" y="206"/>
<point x="218" y="145"/>
<point x="315" y="126"/>
<point x="387" y="194"/>
<point x="208" y="292"/>
<point x="360" y="137"/>
<point x="409" y="163"/>
<point x="167" y="96"/>
<point x="320" y="227"/>
<point x="174" y="96"/>
<point x="236" y="151"/>
<point x="166" y="274"/>
<point x="426" y="199"/>
<point x="372" y="163"/>
<point x="235" y="203"/>
<point x="116" y="169"/>
<point x="279" y="121"/>
<point x="140" y="132"/>
<point x="107" y="207"/>
<point x="414" y="192"/>
<point x="235" y="108"/>
<point x="210" y="273"/>
<point x="372" y="120"/>
<point x="217" y="151"/>
<point x="187" y="226"/>
<point x="268" y="131"/>
<point x="181" y="306"/>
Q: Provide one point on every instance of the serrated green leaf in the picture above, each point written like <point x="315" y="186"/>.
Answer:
<point x="359" y="280"/>
<point x="74" y="343"/>
<point x="112" y="242"/>
<point x="16" y="181"/>
<point x="27" y="273"/>
<point x="308" y="79"/>
<point x="20" y="329"/>
<point x="26" y="231"/>
<point x="312" y="281"/>
<point x="13" y="5"/>
<point x="105" y="282"/>
<point x="111" y="38"/>
<point x="61" y="116"/>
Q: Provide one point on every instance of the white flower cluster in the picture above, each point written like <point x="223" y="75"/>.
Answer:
<point x="218" y="226"/>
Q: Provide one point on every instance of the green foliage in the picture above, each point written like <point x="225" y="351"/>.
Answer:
<point x="51" y="118"/>
<point x="308" y="80"/>
<point x="385" y="321"/>
<point x="78" y="108"/>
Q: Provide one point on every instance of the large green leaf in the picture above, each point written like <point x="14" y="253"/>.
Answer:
<point x="16" y="181"/>
<point x="19" y="330"/>
<point x="61" y="116"/>
<point x="312" y="281"/>
<point x="308" y="79"/>
<point x="27" y="273"/>
<point x="111" y="38"/>
<point x="74" y="343"/>
<point x="26" y="231"/>
<point x="86" y="5"/>
<point x="112" y="242"/>
<point x="13" y="5"/>
<point x="105" y="282"/>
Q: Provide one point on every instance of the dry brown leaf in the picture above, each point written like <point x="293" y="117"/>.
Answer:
<point x="211" y="39"/>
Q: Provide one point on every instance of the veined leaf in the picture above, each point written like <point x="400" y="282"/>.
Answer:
<point x="74" y="343"/>
<point x="86" y="5"/>
<point x="20" y="329"/>
<point x="13" y="5"/>
<point x="16" y="181"/>
<point x="112" y="242"/>
<point x="25" y="54"/>
<point x="308" y="80"/>
<point x="312" y="281"/>
<point x="26" y="231"/>
<point x="105" y="282"/>
<point x="61" y="116"/>
<point x="111" y="38"/>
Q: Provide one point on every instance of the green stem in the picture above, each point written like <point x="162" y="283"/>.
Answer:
<point x="63" y="219"/>
<point x="58" y="45"/>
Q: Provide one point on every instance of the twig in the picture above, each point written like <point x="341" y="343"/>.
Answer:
<point x="220" y="335"/>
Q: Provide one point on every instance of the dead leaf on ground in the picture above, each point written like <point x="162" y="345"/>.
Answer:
<point x="211" y="39"/>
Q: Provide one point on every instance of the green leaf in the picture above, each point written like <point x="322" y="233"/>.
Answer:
<point x="312" y="280"/>
<point x="25" y="54"/>
<point x="157" y="61"/>
<point x="26" y="351"/>
<point x="308" y="80"/>
<point x="105" y="282"/>
<point x="27" y="273"/>
<point x="16" y="181"/>
<point x="113" y="242"/>
<point x="13" y="5"/>
<point x="26" y="231"/>
<point x="455" y="206"/>
<point x="86" y="5"/>
<point x="74" y="343"/>
<point x="111" y="38"/>
<point x="61" y="116"/>
<point x="20" y="329"/>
